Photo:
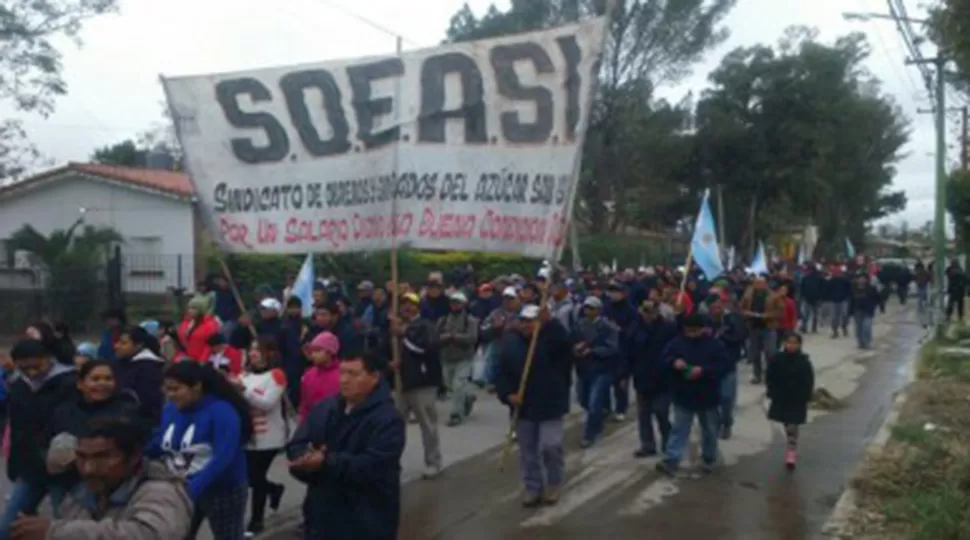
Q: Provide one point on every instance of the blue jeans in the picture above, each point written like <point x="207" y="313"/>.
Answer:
<point x="762" y="344"/>
<point x="595" y="398"/>
<point x="729" y="398"/>
<point x="809" y="313"/>
<point x="25" y="497"/>
<point x="840" y="316"/>
<point x="621" y="395"/>
<point x="680" y="435"/>
<point x="863" y="330"/>
<point x="491" y="361"/>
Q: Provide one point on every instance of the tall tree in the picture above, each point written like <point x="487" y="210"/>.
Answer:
<point x="31" y="71"/>
<point x="950" y="29"/>
<point x="155" y="147"/>
<point x="631" y="137"/>
<point x="800" y="134"/>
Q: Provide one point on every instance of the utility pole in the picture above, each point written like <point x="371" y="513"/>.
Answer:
<point x="964" y="135"/>
<point x="939" y="229"/>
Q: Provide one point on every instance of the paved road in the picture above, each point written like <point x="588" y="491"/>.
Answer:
<point x="611" y="494"/>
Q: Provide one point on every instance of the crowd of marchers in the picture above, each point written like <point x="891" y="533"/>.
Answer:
<point x="165" y="425"/>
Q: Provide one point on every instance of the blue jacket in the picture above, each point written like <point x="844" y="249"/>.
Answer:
<point x="645" y="347"/>
<point x="704" y="352"/>
<point x="356" y="495"/>
<point x="226" y="307"/>
<point x="603" y="339"/>
<point x="143" y="375"/>
<point x="836" y="289"/>
<point x="547" y="389"/>
<point x="204" y="444"/>
<point x="623" y="314"/>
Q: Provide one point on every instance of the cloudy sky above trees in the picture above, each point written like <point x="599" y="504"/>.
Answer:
<point x="115" y="93"/>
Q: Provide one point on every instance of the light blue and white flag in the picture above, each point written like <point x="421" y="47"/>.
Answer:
<point x="849" y="249"/>
<point x="759" y="265"/>
<point x="703" y="244"/>
<point x="303" y="286"/>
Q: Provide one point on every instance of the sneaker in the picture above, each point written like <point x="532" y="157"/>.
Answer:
<point x="665" y="468"/>
<point x="645" y="453"/>
<point x="619" y="417"/>
<point x="276" y="496"/>
<point x="551" y="495"/>
<point x="253" y="529"/>
<point x="455" y="420"/>
<point x="725" y="433"/>
<point x="531" y="500"/>
<point x="431" y="471"/>
<point x="790" y="457"/>
<point x="585" y="443"/>
<point x="708" y="468"/>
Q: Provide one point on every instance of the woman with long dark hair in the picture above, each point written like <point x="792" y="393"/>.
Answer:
<point x="204" y="429"/>
<point x="99" y="396"/>
<point x="264" y="387"/>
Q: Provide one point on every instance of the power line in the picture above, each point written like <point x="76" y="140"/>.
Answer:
<point x="885" y="49"/>
<point x="369" y="22"/>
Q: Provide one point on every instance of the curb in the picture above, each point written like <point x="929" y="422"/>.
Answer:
<point x="838" y="520"/>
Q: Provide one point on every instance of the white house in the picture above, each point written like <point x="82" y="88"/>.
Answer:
<point x="152" y="209"/>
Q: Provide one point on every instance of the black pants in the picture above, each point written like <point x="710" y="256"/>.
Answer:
<point x="225" y="511"/>
<point x="259" y="462"/>
<point x="954" y="301"/>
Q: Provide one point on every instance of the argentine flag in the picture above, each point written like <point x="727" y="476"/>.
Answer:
<point x="703" y="244"/>
<point x="303" y="286"/>
<point x="849" y="249"/>
<point x="760" y="263"/>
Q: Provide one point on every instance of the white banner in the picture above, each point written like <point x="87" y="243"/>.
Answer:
<point x="472" y="146"/>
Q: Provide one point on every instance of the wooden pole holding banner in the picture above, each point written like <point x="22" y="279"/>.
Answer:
<point x="544" y="297"/>
<point x="395" y="294"/>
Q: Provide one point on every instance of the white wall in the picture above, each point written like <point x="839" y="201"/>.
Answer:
<point x="160" y="228"/>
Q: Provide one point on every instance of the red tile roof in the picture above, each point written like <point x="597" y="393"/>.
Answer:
<point x="165" y="181"/>
<point x="168" y="181"/>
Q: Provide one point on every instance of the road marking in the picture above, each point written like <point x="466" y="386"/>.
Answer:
<point x="651" y="497"/>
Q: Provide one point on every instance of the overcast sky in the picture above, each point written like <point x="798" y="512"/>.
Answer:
<point x="115" y="94"/>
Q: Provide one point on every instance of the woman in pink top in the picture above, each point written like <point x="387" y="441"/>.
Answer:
<point x="322" y="380"/>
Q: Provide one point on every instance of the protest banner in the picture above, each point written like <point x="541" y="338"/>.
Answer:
<point x="470" y="146"/>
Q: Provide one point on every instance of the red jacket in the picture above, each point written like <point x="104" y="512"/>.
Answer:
<point x="789" y="320"/>
<point x="197" y="342"/>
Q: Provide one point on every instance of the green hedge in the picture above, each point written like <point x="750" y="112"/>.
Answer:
<point x="249" y="271"/>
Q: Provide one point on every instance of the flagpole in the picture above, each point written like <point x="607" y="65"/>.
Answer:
<point x="395" y="293"/>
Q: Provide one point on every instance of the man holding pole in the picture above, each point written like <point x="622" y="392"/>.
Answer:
<point x="543" y="404"/>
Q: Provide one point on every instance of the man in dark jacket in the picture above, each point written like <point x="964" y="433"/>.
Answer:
<point x="542" y="406"/>
<point x="140" y="371"/>
<point x="420" y="371"/>
<point x="293" y="333"/>
<point x="37" y="388"/>
<point x="597" y="351"/>
<point x="620" y="311"/>
<point x="836" y="290"/>
<point x="730" y="329"/>
<point x="810" y="292"/>
<point x="956" y="290"/>
<point x="644" y="348"/>
<point x="348" y="452"/>
<point x="696" y="362"/>
<point x="863" y="303"/>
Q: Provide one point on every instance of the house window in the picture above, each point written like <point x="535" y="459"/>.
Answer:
<point x="144" y="257"/>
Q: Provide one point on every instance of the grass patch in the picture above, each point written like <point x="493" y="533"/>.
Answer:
<point x="918" y="486"/>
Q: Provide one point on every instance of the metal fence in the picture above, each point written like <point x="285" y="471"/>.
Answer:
<point x="145" y="286"/>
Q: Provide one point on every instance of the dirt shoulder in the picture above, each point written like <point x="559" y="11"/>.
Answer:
<point x="917" y="487"/>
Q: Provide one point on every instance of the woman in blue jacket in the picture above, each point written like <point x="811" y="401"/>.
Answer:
<point x="202" y="437"/>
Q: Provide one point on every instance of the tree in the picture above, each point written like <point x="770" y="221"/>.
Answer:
<point x="157" y="147"/>
<point x="950" y="30"/>
<point x="799" y="134"/>
<point x="31" y="75"/>
<point x="633" y="141"/>
<point x="72" y="260"/>
<point x="958" y="204"/>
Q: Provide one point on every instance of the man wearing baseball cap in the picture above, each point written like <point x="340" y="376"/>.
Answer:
<point x="458" y="337"/>
<point x="492" y="329"/>
<point x="597" y="351"/>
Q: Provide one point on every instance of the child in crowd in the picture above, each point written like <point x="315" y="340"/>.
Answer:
<point x="790" y="381"/>
<point x="322" y="380"/>
<point x="223" y="357"/>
